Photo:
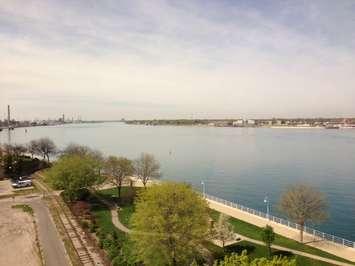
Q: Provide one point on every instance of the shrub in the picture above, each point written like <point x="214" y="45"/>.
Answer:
<point x="84" y="224"/>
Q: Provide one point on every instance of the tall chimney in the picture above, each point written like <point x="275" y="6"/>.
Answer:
<point x="8" y="116"/>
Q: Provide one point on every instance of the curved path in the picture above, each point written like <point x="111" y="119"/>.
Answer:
<point x="116" y="221"/>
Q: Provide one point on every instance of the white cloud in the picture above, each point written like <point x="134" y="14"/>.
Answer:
<point x="159" y="59"/>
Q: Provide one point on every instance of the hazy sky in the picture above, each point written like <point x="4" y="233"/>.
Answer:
<point x="110" y="59"/>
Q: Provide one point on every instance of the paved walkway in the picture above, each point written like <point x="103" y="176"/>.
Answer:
<point x="332" y="248"/>
<point x="116" y="221"/>
<point x="300" y="253"/>
<point x="53" y="248"/>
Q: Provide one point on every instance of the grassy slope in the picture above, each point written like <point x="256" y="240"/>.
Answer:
<point x="126" y="208"/>
<point x="254" y="232"/>
<point x="243" y="228"/>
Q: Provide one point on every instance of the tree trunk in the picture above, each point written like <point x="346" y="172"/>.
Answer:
<point x="301" y="230"/>
<point x="174" y="263"/>
<point x="269" y="249"/>
<point x="119" y="190"/>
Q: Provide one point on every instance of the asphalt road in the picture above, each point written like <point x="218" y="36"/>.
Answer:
<point x="53" y="247"/>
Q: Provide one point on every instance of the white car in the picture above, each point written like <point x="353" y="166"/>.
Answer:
<point x="22" y="183"/>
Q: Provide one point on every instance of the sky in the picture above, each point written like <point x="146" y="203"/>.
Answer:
<point x="113" y="59"/>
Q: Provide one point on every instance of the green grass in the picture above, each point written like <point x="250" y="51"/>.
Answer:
<point x="254" y="232"/>
<point x="258" y="251"/>
<point x="125" y="214"/>
<point x="115" y="242"/>
<point x="126" y="206"/>
<point x="103" y="218"/>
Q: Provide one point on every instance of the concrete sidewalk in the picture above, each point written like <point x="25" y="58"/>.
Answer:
<point x="332" y="248"/>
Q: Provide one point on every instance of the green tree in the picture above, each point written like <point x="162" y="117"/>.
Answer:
<point x="146" y="167"/>
<point x="82" y="150"/>
<point x="223" y="230"/>
<point x="118" y="169"/>
<point x="268" y="236"/>
<point x="169" y="224"/>
<point x="73" y="174"/>
<point x="303" y="204"/>
<point x="245" y="260"/>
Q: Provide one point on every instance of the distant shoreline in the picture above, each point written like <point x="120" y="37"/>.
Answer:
<point x="296" y="123"/>
<point x="227" y="126"/>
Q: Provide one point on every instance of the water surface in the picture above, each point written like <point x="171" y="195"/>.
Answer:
<point x="238" y="164"/>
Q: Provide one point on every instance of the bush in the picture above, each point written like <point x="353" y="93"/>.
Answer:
<point x="80" y="208"/>
<point x="92" y="228"/>
<point x="113" y="251"/>
<point x="84" y="224"/>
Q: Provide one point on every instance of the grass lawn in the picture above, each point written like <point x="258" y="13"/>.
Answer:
<point x="254" y="232"/>
<point x="243" y="228"/>
<point x="258" y="251"/>
<point x="103" y="217"/>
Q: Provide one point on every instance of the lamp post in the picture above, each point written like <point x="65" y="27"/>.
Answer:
<point x="266" y="201"/>
<point x="203" y="189"/>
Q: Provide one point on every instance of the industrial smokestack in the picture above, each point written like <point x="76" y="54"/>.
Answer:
<point x="8" y="117"/>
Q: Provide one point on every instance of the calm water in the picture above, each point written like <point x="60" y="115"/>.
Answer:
<point x="237" y="164"/>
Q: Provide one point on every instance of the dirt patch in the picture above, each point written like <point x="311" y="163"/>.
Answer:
<point x="17" y="237"/>
<point x="5" y="187"/>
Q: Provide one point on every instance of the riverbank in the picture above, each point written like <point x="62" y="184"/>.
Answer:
<point x="324" y="245"/>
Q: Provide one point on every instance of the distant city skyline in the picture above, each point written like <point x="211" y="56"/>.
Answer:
<point x="186" y="59"/>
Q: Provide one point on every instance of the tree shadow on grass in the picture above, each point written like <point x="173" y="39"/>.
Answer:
<point x="281" y="253"/>
<point x="238" y="248"/>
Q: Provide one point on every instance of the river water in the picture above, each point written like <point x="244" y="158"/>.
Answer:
<point x="237" y="164"/>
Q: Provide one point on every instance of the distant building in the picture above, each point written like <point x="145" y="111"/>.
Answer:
<point x="251" y="122"/>
<point x="238" y="123"/>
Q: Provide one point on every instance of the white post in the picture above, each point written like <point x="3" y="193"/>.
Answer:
<point x="203" y="189"/>
<point x="266" y="200"/>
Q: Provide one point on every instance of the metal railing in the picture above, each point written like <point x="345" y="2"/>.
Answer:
<point x="315" y="233"/>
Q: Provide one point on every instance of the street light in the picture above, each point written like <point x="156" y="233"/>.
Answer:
<point x="203" y="188"/>
<point x="266" y="201"/>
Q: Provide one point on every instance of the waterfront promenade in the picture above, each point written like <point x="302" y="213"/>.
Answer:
<point x="327" y="246"/>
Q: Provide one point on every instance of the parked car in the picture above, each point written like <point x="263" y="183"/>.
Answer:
<point x="21" y="183"/>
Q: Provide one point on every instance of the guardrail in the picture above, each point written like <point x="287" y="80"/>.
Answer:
<point x="316" y="234"/>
